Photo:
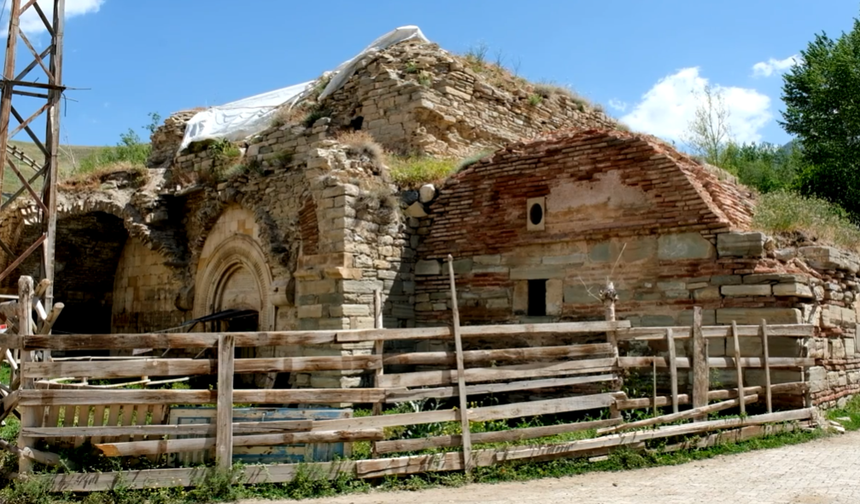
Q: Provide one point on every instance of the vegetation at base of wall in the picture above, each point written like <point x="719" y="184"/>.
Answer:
<point x="848" y="416"/>
<point x="788" y="213"/>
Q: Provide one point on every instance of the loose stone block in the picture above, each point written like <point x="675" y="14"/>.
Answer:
<point x="554" y="296"/>
<point x="741" y="244"/>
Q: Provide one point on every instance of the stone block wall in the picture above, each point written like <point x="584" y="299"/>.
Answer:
<point x="144" y="292"/>
<point x="417" y="98"/>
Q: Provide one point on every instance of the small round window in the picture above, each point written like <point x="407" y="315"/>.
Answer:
<point x="536" y="214"/>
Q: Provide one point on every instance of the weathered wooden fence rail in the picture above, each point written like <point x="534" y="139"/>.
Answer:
<point x="567" y="370"/>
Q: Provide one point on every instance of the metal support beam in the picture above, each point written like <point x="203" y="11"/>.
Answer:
<point x="42" y="196"/>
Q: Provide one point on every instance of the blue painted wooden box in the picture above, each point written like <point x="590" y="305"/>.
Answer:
<point x="317" y="452"/>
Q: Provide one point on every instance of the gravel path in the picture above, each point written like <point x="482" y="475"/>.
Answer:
<point x="822" y="471"/>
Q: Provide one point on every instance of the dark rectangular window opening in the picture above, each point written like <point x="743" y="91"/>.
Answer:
<point x="537" y="298"/>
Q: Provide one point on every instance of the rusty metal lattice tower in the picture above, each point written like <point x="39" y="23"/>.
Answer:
<point x="40" y="187"/>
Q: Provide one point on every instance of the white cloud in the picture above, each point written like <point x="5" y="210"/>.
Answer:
<point x="772" y="66"/>
<point x="618" y="105"/>
<point x="31" y="23"/>
<point x="667" y="108"/>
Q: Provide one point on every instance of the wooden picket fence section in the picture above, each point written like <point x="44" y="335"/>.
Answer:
<point x="563" y="369"/>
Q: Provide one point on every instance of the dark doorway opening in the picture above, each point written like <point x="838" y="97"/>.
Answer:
<point x="537" y="298"/>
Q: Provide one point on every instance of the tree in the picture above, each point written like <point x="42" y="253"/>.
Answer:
<point x="822" y="97"/>
<point x="708" y="133"/>
<point x="763" y="166"/>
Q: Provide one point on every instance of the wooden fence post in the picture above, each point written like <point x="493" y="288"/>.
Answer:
<point x="29" y="414"/>
<point x="673" y="368"/>
<point x="378" y="349"/>
<point x="738" y="367"/>
<point x="461" y="379"/>
<point x="699" y="359"/>
<point x="765" y="354"/>
<point x="224" y="412"/>
<point x="609" y="296"/>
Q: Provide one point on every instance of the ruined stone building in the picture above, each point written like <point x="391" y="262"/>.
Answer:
<point x="302" y="227"/>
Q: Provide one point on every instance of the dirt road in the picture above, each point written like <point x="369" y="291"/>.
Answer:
<point x="819" y="472"/>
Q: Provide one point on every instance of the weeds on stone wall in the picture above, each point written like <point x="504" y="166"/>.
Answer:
<point x="806" y="219"/>
<point x="361" y="144"/>
<point x="128" y="174"/>
<point x="413" y="171"/>
<point x="377" y="200"/>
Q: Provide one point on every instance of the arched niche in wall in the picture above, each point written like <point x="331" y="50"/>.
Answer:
<point x="235" y="276"/>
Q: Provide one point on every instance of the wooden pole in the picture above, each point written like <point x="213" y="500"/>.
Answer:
<point x="673" y="368"/>
<point x="654" y="388"/>
<point x="461" y="379"/>
<point x="765" y="354"/>
<point x="30" y="414"/>
<point x="224" y="413"/>
<point x="739" y="369"/>
<point x="699" y="357"/>
<point x="378" y="348"/>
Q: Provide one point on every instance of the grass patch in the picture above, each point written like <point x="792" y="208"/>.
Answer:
<point x="137" y="175"/>
<point x="413" y="171"/>
<point x="550" y="90"/>
<point x="785" y="212"/>
<point x="850" y="411"/>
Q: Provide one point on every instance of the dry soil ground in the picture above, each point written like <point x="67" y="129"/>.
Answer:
<point x="819" y="472"/>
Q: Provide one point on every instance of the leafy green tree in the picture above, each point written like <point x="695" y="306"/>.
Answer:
<point x="763" y="166"/>
<point x="822" y="97"/>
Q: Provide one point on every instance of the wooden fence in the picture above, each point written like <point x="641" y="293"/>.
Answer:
<point x="562" y="371"/>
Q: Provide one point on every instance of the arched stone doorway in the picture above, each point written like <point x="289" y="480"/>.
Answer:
<point x="233" y="274"/>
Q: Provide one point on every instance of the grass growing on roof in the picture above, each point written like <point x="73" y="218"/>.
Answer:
<point x="782" y="212"/>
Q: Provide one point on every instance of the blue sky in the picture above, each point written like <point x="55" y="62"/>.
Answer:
<point x="640" y="59"/>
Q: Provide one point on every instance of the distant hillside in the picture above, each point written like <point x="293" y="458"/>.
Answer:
<point x="69" y="157"/>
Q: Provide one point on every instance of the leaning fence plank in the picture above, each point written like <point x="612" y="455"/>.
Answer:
<point x="224" y="415"/>
<point x="673" y="368"/>
<point x="461" y="377"/>
<point x="765" y="355"/>
<point x="791" y="388"/>
<point x="699" y="357"/>
<point x="738" y="367"/>
<point x="510" y="435"/>
<point x="402" y="395"/>
<point x="678" y="416"/>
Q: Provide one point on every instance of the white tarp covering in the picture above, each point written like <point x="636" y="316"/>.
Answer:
<point x="246" y="117"/>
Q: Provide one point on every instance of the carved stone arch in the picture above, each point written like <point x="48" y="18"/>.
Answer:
<point x="238" y="254"/>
